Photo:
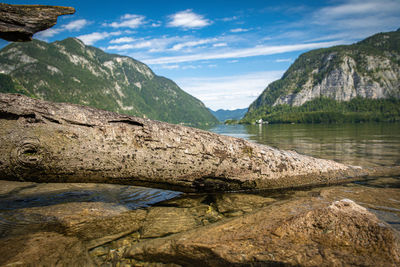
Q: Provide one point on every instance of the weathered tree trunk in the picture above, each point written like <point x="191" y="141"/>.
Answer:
<point x="51" y="142"/>
<point x="19" y="22"/>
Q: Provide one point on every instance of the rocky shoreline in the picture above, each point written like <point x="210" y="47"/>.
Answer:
<point x="308" y="228"/>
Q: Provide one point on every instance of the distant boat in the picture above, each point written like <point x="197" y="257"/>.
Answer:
<point x="260" y="121"/>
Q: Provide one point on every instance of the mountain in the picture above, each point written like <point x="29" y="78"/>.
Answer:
<point x="224" y="114"/>
<point x="69" y="71"/>
<point x="323" y="80"/>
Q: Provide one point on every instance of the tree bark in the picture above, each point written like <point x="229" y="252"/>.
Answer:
<point x="56" y="142"/>
<point x="19" y="22"/>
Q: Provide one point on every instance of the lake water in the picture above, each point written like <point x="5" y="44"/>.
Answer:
<point x="368" y="144"/>
<point x="76" y="209"/>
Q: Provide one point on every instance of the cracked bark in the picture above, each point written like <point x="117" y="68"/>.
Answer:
<point x="56" y="142"/>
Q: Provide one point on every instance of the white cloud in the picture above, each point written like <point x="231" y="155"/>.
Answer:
<point x="179" y="46"/>
<point x="138" y="45"/>
<point x="359" y="17"/>
<point x="170" y="67"/>
<point x="122" y="40"/>
<point x="284" y="60"/>
<point x="43" y="35"/>
<point x="220" y="44"/>
<point x="120" y="47"/>
<point x="228" y="92"/>
<point x="162" y="44"/>
<point x="240" y="53"/>
<point x="76" y="25"/>
<point x="128" y="21"/>
<point x="129" y="16"/>
<point x="357" y="7"/>
<point x="188" y="19"/>
<point x="156" y="24"/>
<point x="193" y="67"/>
<point x="91" y="38"/>
<point x="239" y="30"/>
<point x="230" y="18"/>
<point x="143" y="44"/>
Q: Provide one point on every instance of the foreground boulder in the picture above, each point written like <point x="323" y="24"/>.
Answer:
<point x="47" y="142"/>
<point x="306" y="232"/>
<point x="19" y="22"/>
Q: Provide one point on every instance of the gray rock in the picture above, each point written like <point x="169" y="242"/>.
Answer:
<point x="19" y="22"/>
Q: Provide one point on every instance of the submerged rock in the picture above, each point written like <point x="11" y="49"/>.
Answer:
<point x="307" y="232"/>
<point x="295" y="227"/>
<point x="383" y="202"/>
<point x="43" y="249"/>
<point x="95" y="213"/>
<point x="232" y="205"/>
<point x="162" y="221"/>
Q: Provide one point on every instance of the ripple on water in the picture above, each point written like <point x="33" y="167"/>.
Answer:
<point x="391" y="218"/>
<point x="25" y="209"/>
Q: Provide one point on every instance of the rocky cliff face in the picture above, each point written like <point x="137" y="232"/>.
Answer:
<point x="69" y="71"/>
<point x="344" y="82"/>
<point x="368" y="69"/>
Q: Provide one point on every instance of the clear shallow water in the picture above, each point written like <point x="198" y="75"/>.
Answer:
<point x="38" y="195"/>
<point x="29" y="207"/>
<point x="368" y="144"/>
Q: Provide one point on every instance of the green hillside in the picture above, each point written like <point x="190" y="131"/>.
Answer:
<point x="225" y="114"/>
<point x="366" y="74"/>
<point x="69" y="71"/>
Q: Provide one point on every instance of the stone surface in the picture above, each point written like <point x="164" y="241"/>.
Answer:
<point x="47" y="142"/>
<point x="163" y="221"/>
<point x="384" y="202"/>
<point x="94" y="213"/>
<point x="231" y="205"/>
<point x="43" y="249"/>
<point x="87" y="220"/>
<point x="19" y="22"/>
<point x="306" y="232"/>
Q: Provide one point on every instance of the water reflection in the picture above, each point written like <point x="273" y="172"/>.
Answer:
<point x="371" y="144"/>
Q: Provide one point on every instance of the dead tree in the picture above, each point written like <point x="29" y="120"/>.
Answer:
<point x="42" y="141"/>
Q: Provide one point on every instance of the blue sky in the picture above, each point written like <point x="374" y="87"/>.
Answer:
<point x="223" y="52"/>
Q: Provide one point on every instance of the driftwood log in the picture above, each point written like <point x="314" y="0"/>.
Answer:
<point x="56" y="142"/>
<point x="19" y="22"/>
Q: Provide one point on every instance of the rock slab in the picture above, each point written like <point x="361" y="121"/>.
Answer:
<point x="306" y="232"/>
<point x="18" y="23"/>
